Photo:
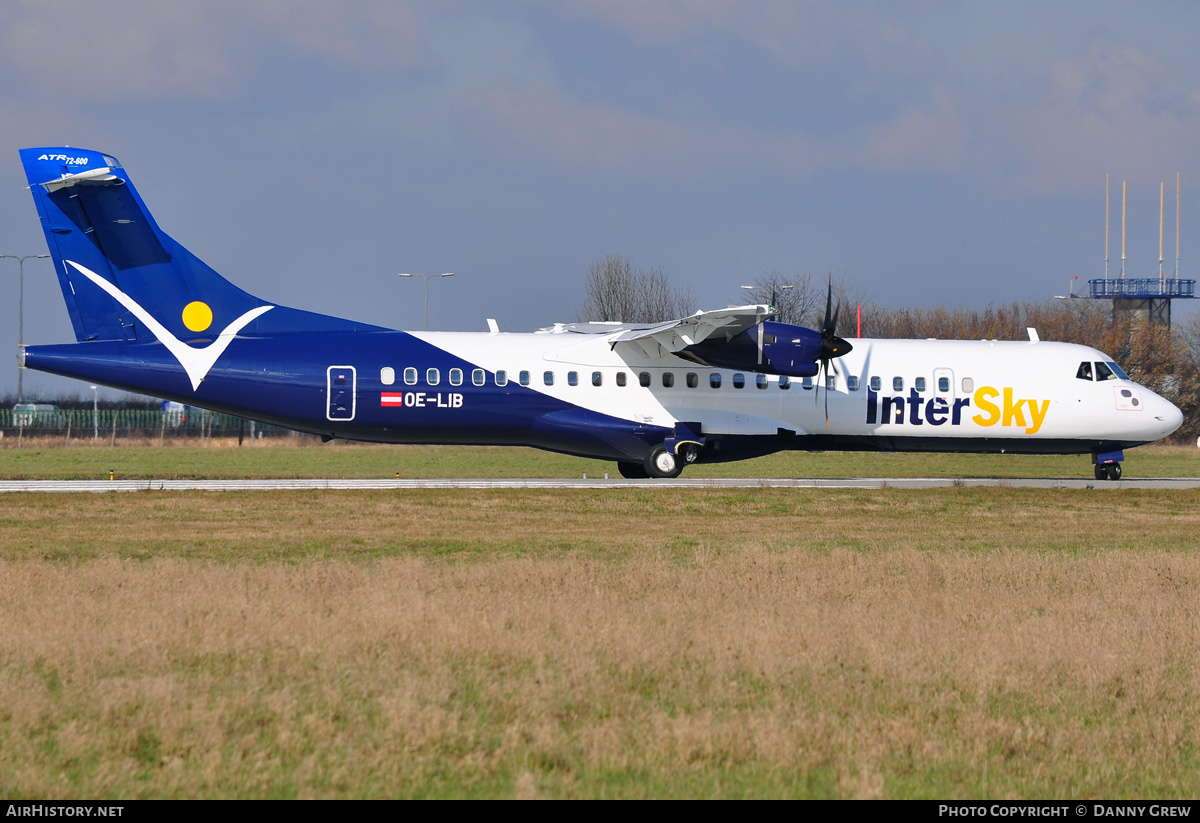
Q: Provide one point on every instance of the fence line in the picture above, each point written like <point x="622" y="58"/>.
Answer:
<point x="115" y="424"/>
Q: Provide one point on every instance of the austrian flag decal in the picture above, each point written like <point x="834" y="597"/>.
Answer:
<point x="391" y="398"/>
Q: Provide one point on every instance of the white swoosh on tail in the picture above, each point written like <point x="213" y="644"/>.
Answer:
<point x="195" y="361"/>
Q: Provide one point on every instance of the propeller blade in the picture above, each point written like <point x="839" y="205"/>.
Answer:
<point x="826" y="408"/>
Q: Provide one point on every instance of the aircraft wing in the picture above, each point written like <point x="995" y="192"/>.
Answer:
<point x="676" y="335"/>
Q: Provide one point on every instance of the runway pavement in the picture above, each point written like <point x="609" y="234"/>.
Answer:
<point x="592" y="483"/>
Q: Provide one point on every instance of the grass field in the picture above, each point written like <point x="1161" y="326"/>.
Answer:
<point x="307" y="457"/>
<point x="954" y="643"/>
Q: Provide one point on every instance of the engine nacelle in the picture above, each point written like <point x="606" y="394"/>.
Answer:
<point x="769" y="348"/>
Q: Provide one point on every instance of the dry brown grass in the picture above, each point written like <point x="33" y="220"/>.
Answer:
<point x="774" y="643"/>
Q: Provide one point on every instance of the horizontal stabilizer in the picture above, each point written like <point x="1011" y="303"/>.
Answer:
<point x="102" y="176"/>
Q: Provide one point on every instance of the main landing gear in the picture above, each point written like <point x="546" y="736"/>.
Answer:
<point x="661" y="463"/>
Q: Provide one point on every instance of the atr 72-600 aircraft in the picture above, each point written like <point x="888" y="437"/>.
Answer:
<point x="720" y="385"/>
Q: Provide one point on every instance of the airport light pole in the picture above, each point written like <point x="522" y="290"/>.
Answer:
<point x="95" y="414"/>
<point x="21" y="316"/>
<point x="427" y="278"/>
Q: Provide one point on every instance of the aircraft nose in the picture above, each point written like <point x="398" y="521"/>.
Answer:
<point x="1169" y="414"/>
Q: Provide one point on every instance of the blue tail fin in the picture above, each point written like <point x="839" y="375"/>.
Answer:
<point x="124" y="278"/>
<point x="96" y="222"/>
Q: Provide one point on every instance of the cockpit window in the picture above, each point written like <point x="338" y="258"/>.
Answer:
<point x="1085" y="371"/>
<point x="1103" y="372"/>
<point x="1117" y="370"/>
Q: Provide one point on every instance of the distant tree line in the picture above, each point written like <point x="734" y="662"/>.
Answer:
<point x="1166" y="361"/>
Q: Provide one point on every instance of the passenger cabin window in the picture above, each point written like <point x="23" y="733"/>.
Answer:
<point x="433" y="377"/>
<point x="785" y="382"/>
<point x="501" y="378"/>
<point x="597" y="379"/>
<point x="760" y="380"/>
<point x="456" y="377"/>
<point x="897" y="384"/>
<point x="831" y="382"/>
<point x="692" y="380"/>
<point x="875" y="383"/>
<point x="477" y="377"/>
<point x="852" y="382"/>
<point x="944" y="385"/>
<point x="523" y="377"/>
<point x="410" y="376"/>
<point x="387" y="375"/>
<point x="621" y="378"/>
<point x="968" y="385"/>
<point x="572" y="378"/>
<point x="644" y="379"/>
<point x="714" y="380"/>
<point x="806" y="383"/>
<point x="1085" y="371"/>
<point x="739" y="380"/>
<point x="668" y="379"/>
<point x="919" y="384"/>
<point x="548" y="378"/>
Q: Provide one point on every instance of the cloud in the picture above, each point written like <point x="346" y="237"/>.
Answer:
<point x="600" y="138"/>
<point x="146" y="49"/>
<point x="796" y="35"/>
<point x="929" y="136"/>
<point x="546" y="122"/>
<point x="813" y="89"/>
<point x="1109" y="109"/>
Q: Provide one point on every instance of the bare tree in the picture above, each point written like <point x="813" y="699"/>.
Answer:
<point x="800" y="299"/>
<point x="615" y="291"/>
<point x="795" y="298"/>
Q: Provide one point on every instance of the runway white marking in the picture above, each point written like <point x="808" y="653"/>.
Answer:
<point x="318" y="484"/>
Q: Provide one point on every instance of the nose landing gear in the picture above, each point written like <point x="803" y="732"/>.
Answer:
<point x="1108" y="465"/>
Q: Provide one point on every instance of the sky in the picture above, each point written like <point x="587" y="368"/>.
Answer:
<point x="930" y="153"/>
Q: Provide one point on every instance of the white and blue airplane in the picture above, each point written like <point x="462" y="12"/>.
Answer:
<point x="722" y="385"/>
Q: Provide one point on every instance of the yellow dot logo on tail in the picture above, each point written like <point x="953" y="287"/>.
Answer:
<point x="197" y="316"/>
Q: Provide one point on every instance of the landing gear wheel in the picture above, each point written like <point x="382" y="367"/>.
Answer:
<point x="1101" y="471"/>
<point x="1114" y="471"/>
<point x="632" y="471"/>
<point x="661" y="463"/>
